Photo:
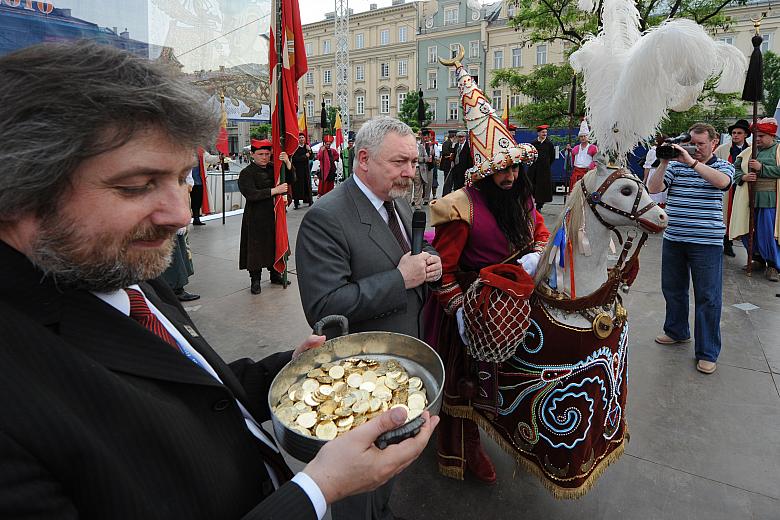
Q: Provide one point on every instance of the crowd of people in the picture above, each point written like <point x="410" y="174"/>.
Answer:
<point x="117" y="407"/>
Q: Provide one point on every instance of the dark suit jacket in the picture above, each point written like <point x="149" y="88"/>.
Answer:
<point x="101" y="419"/>
<point x="347" y="258"/>
<point x="465" y="161"/>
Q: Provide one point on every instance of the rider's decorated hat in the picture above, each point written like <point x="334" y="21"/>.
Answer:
<point x="492" y="145"/>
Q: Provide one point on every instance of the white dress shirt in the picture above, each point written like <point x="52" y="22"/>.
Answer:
<point x="379" y="205"/>
<point x="121" y="302"/>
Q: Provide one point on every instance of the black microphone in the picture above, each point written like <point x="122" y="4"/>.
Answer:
<point x="418" y="228"/>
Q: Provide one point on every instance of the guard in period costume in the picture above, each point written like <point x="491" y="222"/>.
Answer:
<point x="540" y="172"/>
<point x="765" y="172"/>
<point x="301" y="163"/>
<point x="328" y="158"/>
<point x="258" y="225"/>
<point x="583" y="156"/>
<point x="729" y="151"/>
<point x="473" y="243"/>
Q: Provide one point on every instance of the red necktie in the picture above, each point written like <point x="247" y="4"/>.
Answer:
<point x="395" y="227"/>
<point x="141" y="313"/>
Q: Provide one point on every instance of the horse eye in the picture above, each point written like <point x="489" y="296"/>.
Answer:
<point x="626" y="191"/>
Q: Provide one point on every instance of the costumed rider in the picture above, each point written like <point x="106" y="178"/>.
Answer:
<point x="258" y="224"/>
<point x="483" y="230"/>
<point x="762" y="172"/>
<point x="583" y="155"/>
<point x="328" y="158"/>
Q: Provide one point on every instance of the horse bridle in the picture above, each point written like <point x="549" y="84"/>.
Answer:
<point x="595" y="198"/>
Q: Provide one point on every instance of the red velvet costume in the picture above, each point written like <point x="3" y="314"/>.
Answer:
<point x="467" y="239"/>
<point x="328" y="158"/>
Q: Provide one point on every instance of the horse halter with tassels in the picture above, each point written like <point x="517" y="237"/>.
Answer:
<point x="595" y="199"/>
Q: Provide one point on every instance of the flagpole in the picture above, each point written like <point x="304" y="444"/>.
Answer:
<point x="222" y="161"/>
<point x="280" y="109"/>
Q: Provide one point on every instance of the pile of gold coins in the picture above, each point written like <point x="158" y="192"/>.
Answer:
<point x="336" y="397"/>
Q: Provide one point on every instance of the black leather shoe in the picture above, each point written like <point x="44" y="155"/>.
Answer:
<point x="255" y="288"/>
<point x="197" y="222"/>
<point x="185" y="296"/>
<point x="728" y="248"/>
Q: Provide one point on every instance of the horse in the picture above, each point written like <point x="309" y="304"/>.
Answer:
<point x="557" y="405"/>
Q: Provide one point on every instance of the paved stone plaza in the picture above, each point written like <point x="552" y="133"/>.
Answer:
<point x="702" y="447"/>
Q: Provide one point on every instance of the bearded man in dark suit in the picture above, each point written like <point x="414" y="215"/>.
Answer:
<point x="113" y="405"/>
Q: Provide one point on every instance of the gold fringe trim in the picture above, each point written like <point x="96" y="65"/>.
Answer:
<point x="559" y="492"/>
<point x="451" y="471"/>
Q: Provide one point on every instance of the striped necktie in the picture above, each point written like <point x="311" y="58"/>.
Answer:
<point x="395" y="227"/>
<point x="141" y="313"/>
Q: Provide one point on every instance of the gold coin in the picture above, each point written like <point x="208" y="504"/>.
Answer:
<point x="369" y="375"/>
<point x="345" y="422"/>
<point x="374" y="404"/>
<point x="326" y="389"/>
<point x="368" y="386"/>
<point x="302" y="431"/>
<point x="413" y="414"/>
<point x="416" y="402"/>
<point x="307" y="419"/>
<point x="394" y="374"/>
<point x="340" y="388"/>
<point x="343" y="412"/>
<point x="310" y="385"/>
<point x="301" y="407"/>
<point x="415" y="383"/>
<point x="360" y="407"/>
<point x="391" y="383"/>
<point x="336" y="372"/>
<point x="326" y="430"/>
<point x="310" y="400"/>
<point x="287" y="414"/>
<point x="354" y="380"/>
<point x="403" y="378"/>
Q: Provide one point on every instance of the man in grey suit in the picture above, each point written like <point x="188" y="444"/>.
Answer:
<point x="353" y="259"/>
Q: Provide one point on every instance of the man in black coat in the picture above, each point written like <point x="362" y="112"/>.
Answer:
<point x="301" y="161"/>
<point x="113" y="404"/>
<point x="540" y="173"/>
<point x="258" y="224"/>
<point x="462" y="162"/>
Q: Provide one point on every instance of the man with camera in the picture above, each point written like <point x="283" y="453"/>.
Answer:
<point x="693" y="242"/>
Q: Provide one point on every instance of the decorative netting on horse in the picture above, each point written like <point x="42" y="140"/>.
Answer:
<point x="495" y="312"/>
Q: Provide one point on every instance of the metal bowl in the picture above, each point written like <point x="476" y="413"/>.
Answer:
<point x="416" y="356"/>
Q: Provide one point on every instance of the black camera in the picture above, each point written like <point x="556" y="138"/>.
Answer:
<point x="666" y="151"/>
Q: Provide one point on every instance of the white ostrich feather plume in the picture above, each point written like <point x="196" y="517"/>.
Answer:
<point x="632" y="80"/>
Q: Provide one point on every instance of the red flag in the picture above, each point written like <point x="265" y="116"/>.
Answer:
<point x="293" y="68"/>
<point x="202" y="164"/>
<point x="222" y="138"/>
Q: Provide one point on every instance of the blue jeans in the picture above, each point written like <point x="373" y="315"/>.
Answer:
<point x="681" y="261"/>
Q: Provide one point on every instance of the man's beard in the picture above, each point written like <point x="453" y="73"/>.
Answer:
<point x="98" y="263"/>
<point x="400" y="187"/>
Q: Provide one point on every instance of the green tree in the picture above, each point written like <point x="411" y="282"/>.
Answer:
<point x="719" y="110"/>
<point x="771" y="82"/>
<point x="261" y="131"/>
<point x="408" y="111"/>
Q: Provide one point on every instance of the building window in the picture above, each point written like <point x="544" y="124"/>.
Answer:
<point x="402" y="32"/>
<point x="432" y="108"/>
<point x="384" y="104"/>
<point x="498" y="59"/>
<point x="384" y="37"/>
<point x="307" y="46"/>
<point x="328" y="102"/>
<point x="401" y="99"/>
<point x="451" y="15"/>
<point x="326" y="77"/>
<point x="474" y="73"/>
<point x="384" y="70"/>
<point x="474" y="49"/>
<point x="453" y="111"/>
<point x="766" y="45"/>
<point x="517" y="57"/>
<point x="514" y="100"/>
<point x="325" y="46"/>
<point x="310" y="79"/>
<point x="359" y="41"/>
<point x="360" y="73"/>
<point x="727" y="39"/>
<point x="432" y="76"/>
<point x="541" y="54"/>
<point x="403" y="66"/>
<point x="360" y="105"/>
<point x="309" y="108"/>
<point x="454" y="49"/>
<point x="453" y="79"/>
<point x="433" y="55"/>
<point x="498" y="100"/>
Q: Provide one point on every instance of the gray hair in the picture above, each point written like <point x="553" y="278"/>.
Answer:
<point x="63" y="103"/>
<point x="371" y="135"/>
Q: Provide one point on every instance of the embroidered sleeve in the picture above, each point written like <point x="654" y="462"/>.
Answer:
<point x="450" y="240"/>
<point x="541" y="234"/>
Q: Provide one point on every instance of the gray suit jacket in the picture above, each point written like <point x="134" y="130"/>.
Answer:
<point x="347" y="258"/>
